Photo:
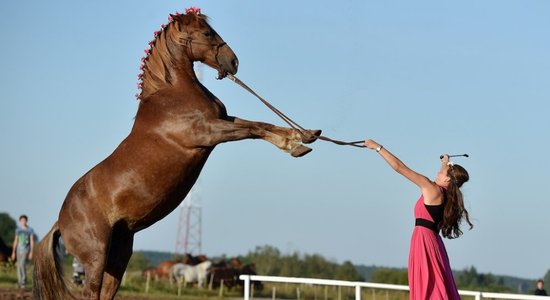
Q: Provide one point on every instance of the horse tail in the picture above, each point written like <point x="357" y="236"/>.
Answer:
<point x="48" y="281"/>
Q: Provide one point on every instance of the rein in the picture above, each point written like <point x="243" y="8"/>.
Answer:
<point x="303" y="132"/>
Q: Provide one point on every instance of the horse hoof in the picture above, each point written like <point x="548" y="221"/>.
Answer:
<point x="311" y="136"/>
<point x="300" y="151"/>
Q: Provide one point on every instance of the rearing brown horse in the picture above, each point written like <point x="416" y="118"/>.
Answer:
<point x="178" y="124"/>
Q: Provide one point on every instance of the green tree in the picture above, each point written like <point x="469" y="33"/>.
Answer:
<point x="290" y="265"/>
<point x="267" y="260"/>
<point x="316" y="266"/>
<point x="347" y="271"/>
<point x="546" y="278"/>
<point x="467" y="278"/>
<point x="470" y="279"/>
<point x="391" y="276"/>
<point x="7" y="228"/>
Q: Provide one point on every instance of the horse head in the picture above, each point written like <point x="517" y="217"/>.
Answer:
<point x="185" y="39"/>
<point x="204" y="44"/>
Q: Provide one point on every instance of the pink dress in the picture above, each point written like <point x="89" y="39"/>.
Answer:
<point x="430" y="276"/>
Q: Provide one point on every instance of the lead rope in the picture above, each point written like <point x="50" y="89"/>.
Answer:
<point x="303" y="132"/>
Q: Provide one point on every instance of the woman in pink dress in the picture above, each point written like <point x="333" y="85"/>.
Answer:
<point x="439" y="209"/>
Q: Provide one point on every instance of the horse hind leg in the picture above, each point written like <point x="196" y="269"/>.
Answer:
<point x="93" y="259"/>
<point x="119" y="255"/>
<point x="89" y="242"/>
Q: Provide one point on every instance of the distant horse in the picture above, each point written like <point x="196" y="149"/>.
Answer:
<point x="250" y="269"/>
<point x="222" y="273"/>
<point x="229" y="272"/>
<point x="235" y="263"/>
<point x="164" y="269"/>
<point x="177" y="125"/>
<point x="189" y="259"/>
<point x="191" y="274"/>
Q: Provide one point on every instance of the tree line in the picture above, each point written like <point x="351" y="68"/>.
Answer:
<point x="467" y="279"/>
<point x="270" y="261"/>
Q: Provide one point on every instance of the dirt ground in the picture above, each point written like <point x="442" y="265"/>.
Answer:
<point x="12" y="294"/>
<point x="26" y="294"/>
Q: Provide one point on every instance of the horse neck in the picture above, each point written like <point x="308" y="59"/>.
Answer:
<point x="167" y="65"/>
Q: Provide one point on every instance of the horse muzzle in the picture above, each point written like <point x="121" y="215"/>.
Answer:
<point x="228" y="63"/>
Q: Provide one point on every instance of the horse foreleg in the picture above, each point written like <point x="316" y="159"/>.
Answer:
<point x="234" y="129"/>
<point x="307" y="137"/>
<point x="117" y="261"/>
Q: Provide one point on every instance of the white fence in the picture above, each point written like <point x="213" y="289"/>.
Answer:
<point x="359" y="285"/>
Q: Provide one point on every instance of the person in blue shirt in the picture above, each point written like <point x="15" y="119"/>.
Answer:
<point x="23" y="246"/>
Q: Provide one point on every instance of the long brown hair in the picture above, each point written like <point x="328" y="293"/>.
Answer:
<point x="455" y="211"/>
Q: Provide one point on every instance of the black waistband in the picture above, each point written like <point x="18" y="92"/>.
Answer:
<point x="428" y="224"/>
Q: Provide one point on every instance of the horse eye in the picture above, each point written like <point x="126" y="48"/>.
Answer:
<point x="208" y="34"/>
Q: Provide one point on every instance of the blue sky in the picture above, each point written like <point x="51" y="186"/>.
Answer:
<point x="420" y="77"/>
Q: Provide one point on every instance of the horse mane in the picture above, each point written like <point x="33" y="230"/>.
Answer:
<point x="158" y="60"/>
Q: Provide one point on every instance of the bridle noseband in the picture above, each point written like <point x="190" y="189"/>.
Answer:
<point x="188" y="42"/>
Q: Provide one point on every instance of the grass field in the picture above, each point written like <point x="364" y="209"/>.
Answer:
<point x="134" y="286"/>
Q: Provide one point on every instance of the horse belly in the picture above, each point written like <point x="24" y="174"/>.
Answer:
<point x="136" y="186"/>
<point x="149" y="182"/>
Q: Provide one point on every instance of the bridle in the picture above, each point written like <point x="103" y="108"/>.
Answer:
<point x="188" y="42"/>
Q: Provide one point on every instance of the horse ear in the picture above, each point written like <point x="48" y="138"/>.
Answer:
<point x="180" y="18"/>
<point x="187" y="18"/>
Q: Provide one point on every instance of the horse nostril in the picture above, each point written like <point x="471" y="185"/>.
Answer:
<point x="235" y="63"/>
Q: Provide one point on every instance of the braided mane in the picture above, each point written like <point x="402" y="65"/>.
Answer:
<point x="157" y="63"/>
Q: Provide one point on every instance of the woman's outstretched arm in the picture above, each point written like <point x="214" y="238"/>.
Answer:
<point x="429" y="189"/>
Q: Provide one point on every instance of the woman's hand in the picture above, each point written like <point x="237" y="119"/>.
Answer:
<point x="445" y="159"/>
<point x="371" y="144"/>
